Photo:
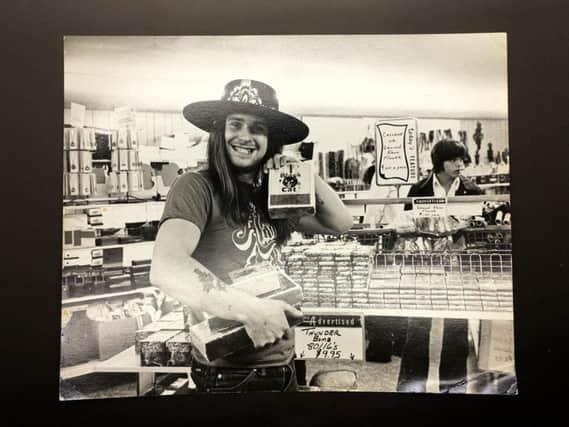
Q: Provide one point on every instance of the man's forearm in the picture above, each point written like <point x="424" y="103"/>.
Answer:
<point x="330" y="210"/>
<point x="193" y="285"/>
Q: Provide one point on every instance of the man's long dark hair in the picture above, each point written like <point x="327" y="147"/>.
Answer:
<point x="236" y="195"/>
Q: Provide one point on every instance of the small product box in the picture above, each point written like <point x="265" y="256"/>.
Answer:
<point x="115" y="160"/>
<point x="85" y="162"/>
<point x="85" y="184"/>
<point x="179" y="348"/>
<point x="73" y="184"/>
<point x="131" y="140"/>
<point x="122" y="182"/>
<point x="153" y="350"/>
<point x="123" y="160"/>
<point x="83" y="138"/>
<point x="112" y="183"/>
<point x="132" y="160"/>
<point x="72" y="141"/>
<point x="133" y="181"/>
<point x="121" y="139"/>
<point x="215" y="337"/>
<point x="65" y="161"/>
<point x="291" y="190"/>
<point x="74" y="161"/>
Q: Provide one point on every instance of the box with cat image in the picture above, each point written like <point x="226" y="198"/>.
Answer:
<point x="291" y="190"/>
<point x="215" y="337"/>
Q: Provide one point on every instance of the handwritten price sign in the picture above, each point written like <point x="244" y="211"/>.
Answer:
<point x="338" y="337"/>
<point x="396" y="152"/>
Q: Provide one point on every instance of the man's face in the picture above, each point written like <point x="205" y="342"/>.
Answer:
<point x="453" y="167"/>
<point x="246" y="140"/>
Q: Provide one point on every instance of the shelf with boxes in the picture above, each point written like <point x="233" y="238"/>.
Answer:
<point x="107" y="248"/>
<point x="100" y="168"/>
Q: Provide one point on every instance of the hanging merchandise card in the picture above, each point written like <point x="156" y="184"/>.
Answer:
<point x="77" y="115"/>
<point x="396" y="152"/>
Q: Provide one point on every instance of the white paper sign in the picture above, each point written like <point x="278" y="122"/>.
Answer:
<point x="396" y="152"/>
<point x="429" y="207"/>
<point x="338" y="337"/>
<point x="77" y="115"/>
<point x="124" y="117"/>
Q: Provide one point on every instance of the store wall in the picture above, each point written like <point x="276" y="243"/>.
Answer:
<point x="151" y="126"/>
<point x="329" y="133"/>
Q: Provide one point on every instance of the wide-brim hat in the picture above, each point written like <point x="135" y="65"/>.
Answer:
<point x="248" y="97"/>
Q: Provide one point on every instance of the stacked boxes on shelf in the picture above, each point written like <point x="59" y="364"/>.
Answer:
<point x="78" y="178"/>
<point x="126" y="168"/>
<point x="331" y="275"/>
<point x="361" y="267"/>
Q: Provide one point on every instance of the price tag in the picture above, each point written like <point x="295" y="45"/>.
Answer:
<point x="429" y="207"/>
<point x="396" y="152"/>
<point x="339" y="337"/>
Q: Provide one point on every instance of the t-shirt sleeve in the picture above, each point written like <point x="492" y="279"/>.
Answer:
<point x="189" y="198"/>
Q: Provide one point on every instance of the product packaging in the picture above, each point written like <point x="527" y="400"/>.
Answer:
<point x="215" y="338"/>
<point x="291" y="191"/>
<point x="74" y="161"/>
<point x="85" y="162"/>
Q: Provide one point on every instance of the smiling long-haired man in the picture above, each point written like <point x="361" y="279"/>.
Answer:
<point x="216" y="222"/>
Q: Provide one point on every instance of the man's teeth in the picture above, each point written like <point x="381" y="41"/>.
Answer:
<point x="243" y="150"/>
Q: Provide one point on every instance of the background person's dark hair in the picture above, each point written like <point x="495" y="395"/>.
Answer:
<point x="369" y="174"/>
<point x="235" y="195"/>
<point x="447" y="150"/>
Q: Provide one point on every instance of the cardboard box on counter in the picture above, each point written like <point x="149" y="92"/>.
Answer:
<point x="215" y="338"/>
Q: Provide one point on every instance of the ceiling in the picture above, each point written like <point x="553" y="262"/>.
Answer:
<point x="437" y="76"/>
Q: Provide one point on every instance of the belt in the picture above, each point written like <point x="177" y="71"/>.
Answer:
<point x="270" y="371"/>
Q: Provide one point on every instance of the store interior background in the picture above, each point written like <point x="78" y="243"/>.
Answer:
<point x="339" y="85"/>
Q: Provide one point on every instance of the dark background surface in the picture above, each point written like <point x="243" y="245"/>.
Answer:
<point x="32" y="107"/>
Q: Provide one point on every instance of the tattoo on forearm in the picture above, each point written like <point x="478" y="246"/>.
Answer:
<point x="208" y="281"/>
<point x="319" y="201"/>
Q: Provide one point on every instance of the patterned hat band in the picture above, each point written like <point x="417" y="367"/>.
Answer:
<point x="251" y="92"/>
<point x="247" y="97"/>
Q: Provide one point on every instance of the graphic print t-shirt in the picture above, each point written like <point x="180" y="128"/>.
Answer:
<point x="225" y="247"/>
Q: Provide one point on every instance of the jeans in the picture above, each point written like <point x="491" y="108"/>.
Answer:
<point x="233" y="380"/>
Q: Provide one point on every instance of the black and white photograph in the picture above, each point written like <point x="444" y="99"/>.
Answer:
<point x="286" y="213"/>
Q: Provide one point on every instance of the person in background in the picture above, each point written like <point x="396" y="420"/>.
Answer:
<point x="216" y="222"/>
<point x="445" y="180"/>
